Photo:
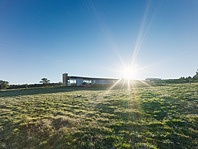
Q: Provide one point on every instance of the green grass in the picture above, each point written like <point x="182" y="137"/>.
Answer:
<point x="145" y="118"/>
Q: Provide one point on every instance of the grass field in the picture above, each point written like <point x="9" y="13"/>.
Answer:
<point x="146" y="118"/>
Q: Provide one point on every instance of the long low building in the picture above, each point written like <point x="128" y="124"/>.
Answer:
<point x="79" y="81"/>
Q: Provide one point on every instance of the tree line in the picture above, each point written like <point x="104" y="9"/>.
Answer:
<point x="43" y="83"/>
<point x="188" y="79"/>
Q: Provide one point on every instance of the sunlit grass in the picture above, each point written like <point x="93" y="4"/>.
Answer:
<point x="147" y="117"/>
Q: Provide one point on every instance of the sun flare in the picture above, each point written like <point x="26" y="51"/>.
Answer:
<point x="129" y="72"/>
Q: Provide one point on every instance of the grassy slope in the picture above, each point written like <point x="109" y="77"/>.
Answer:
<point x="154" y="117"/>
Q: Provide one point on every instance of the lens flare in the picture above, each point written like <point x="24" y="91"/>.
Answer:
<point x="129" y="72"/>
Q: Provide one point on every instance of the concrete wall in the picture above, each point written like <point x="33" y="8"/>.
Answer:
<point x="65" y="79"/>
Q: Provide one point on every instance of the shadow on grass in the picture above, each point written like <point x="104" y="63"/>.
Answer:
<point x="47" y="90"/>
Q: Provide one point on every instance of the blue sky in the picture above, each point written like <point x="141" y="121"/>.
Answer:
<point x="45" y="38"/>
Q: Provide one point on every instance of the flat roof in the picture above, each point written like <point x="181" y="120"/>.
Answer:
<point x="90" y="78"/>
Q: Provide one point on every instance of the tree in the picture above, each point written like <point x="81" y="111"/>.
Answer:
<point x="195" y="77"/>
<point x="4" y="84"/>
<point x="45" y="81"/>
<point x="189" y="79"/>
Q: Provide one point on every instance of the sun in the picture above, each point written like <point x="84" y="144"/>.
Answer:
<point x="129" y="72"/>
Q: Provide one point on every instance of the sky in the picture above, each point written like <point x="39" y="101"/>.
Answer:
<point x="97" y="38"/>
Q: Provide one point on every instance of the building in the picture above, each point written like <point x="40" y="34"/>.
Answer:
<point x="79" y="81"/>
<point x="153" y="79"/>
<point x="65" y="79"/>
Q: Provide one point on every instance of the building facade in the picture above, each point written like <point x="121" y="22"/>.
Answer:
<point x="79" y="81"/>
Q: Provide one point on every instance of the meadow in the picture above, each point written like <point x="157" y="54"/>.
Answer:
<point x="140" y="118"/>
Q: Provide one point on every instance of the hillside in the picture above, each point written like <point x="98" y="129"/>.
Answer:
<point x="148" y="117"/>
